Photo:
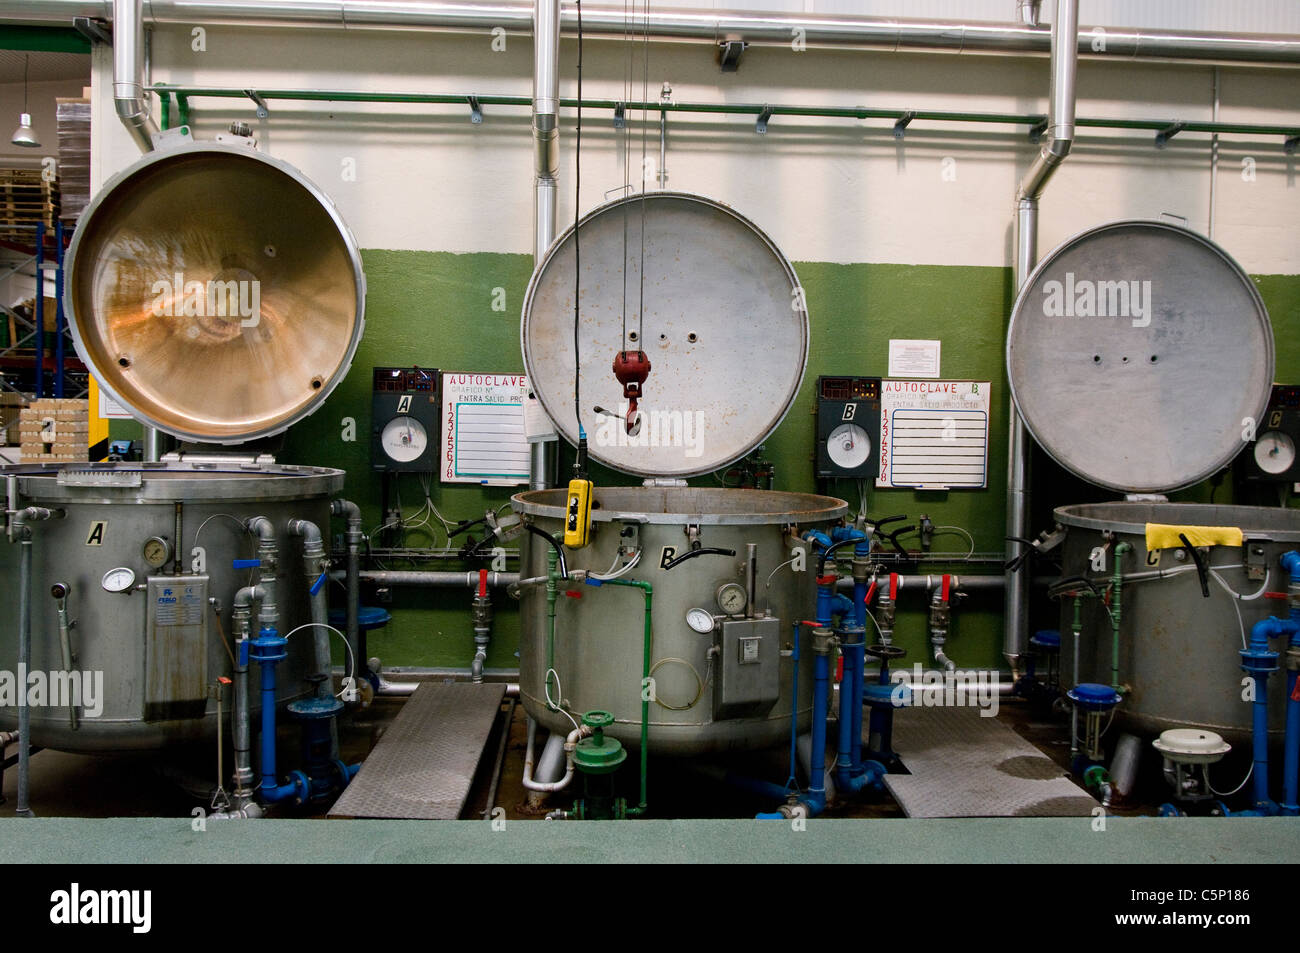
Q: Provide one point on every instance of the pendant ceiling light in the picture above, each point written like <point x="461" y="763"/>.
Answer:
<point x="24" y="135"/>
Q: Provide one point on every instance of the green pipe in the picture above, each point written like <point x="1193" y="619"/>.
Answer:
<point x="183" y="108"/>
<point x="645" y="587"/>
<point x="165" y="109"/>
<point x="1116" y="587"/>
<point x="738" y="109"/>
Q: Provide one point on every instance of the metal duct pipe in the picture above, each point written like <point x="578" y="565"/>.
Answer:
<point x="316" y="562"/>
<point x="241" y="731"/>
<point x="1027" y="11"/>
<point x="1056" y="146"/>
<point x="542" y="454"/>
<point x="353" y="579"/>
<point x="439" y="578"/>
<point x="830" y="31"/>
<point x="128" y="72"/>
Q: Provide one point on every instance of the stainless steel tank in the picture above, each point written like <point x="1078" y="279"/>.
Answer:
<point x="1178" y="650"/>
<point x="703" y="701"/>
<point x="157" y="668"/>
<point x="1139" y="356"/>
<point x="216" y="293"/>
<point x="719" y="312"/>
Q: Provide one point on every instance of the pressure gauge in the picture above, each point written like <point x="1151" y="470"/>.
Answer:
<point x="848" y="446"/>
<point x="700" y="620"/>
<point x="157" y="551"/>
<point x="120" y="579"/>
<point x="404" y="439"/>
<point x="732" y="598"/>
<point x="1274" y="452"/>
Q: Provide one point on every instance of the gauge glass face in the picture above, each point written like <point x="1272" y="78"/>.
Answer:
<point x="157" y="551"/>
<point x="848" y="446"/>
<point x="700" y="620"/>
<point x="732" y="598"/>
<point x="1274" y="452"/>
<point x="404" y="439"/>
<point x="119" y="579"/>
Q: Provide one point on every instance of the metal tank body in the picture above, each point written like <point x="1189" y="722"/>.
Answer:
<point x="152" y="675"/>
<point x="599" y="636"/>
<point x="1178" y="650"/>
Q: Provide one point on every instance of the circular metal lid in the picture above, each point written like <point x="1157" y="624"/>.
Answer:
<point x="1138" y="354"/>
<point x="725" y="329"/>
<point x="215" y="292"/>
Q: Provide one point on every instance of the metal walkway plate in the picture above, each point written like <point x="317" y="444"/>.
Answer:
<point x="424" y="764"/>
<point x="963" y="765"/>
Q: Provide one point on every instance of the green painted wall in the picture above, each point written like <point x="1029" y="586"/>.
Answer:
<point x="435" y="309"/>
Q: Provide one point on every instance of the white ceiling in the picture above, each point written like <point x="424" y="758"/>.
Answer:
<point x="45" y="67"/>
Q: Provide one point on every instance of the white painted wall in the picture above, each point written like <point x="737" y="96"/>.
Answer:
<point x="832" y="190"/>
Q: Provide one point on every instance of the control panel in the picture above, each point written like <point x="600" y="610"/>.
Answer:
<point x="1272" y="455"/>
<point x="848" y="427"/>
<point x="405" y="406"/>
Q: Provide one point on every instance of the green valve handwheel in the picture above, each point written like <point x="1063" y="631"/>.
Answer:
<point x="598" y="754"/>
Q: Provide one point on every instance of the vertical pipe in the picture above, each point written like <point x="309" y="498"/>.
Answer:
<point x="1291" y="756"/>
<point x="542" y="455"/>
<point x="128" y="72"/>
<point x="24" y="658"/>
<point x="1059" y="140"/>
<point x="1214" y="155"/>
<point x="816" y="798"/>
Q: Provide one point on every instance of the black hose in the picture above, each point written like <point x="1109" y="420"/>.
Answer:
<point x="559" y="550"/>
<point x="702" y="551"/>
<point x="821" y="562"/>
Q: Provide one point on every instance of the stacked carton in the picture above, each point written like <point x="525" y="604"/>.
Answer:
<point x="10" y="405"/>
<point x="56" y="430"/>
<point x="73" y="117"/>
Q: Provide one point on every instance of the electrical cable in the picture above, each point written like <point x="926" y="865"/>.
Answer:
<point x="351" y="681"/>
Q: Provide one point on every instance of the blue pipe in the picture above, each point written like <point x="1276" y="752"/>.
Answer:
<point x="791" y="782"/>
<point x="1258" y="661"/>
<point x="268" y="649"/>
<point x="814" y="799"/>
<point x="1291" y="757"/>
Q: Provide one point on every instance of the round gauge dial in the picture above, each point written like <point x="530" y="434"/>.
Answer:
<point x="157" y="551"/>
<point x="732" y="598"/>
<point x="848" y="446"/>
<point x="1274" y="452"/>
<point x="404" y="439"/>
<point x="700" y="620"/>
<point x="118" y="580"/>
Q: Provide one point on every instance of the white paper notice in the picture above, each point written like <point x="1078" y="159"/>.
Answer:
<point x="913" y="358"/>
<point x="111" y="409"/>
<point x="934" y="435"/>
<point x="483" y="437"/>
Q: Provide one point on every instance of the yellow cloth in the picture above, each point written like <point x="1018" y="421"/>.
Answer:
<point x="1165" y="536"/>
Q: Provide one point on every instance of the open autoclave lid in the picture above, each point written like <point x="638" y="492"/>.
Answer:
<point x="725" y="329"/>
<point x="214" y="291"/>
<point x="1140" y="355"/>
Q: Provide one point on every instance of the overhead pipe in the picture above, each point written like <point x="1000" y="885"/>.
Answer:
<point x="1057" y="141"/>
<point x="128" y="72"/>
<point x="709" y="26"/>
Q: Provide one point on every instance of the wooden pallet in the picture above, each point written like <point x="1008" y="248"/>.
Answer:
<point x="26" y="198"/>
